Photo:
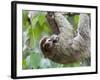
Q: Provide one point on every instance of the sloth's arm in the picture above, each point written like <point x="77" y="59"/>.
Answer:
<point x="82" y="40"/>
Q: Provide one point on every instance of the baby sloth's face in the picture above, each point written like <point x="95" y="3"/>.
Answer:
<point x="50" y="42"/>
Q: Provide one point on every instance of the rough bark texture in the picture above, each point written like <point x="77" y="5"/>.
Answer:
<point x="67" y="48"/>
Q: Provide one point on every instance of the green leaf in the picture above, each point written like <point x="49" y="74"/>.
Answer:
<point x="35" y="60"/>
<point x="76" y="20"/>
<point x="30" y="41"/>
<point x="47" y="28"/>
<point x="54" y="65"/>
<point x="34" y="21"/>
<point x="37" y="30"/>
<point x="71" y="19"/>
<point x="24" y="64"/>
<point x="42" y="19"/>
<point x="25" y="21"/>
<point x="75" y="64"/>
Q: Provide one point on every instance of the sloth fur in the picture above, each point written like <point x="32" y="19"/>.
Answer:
<point x="65" y="47"/>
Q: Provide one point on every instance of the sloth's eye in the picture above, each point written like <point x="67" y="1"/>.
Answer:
<point x="49" y="40"/>
<point x="54" y="41"/>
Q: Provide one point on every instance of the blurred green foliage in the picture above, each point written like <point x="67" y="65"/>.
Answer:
<point x="35" y="26"/>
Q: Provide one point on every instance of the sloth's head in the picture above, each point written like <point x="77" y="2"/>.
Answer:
<point x="48" y="42"/>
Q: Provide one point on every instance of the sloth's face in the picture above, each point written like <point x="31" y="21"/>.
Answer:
<point x="51" y="41"/>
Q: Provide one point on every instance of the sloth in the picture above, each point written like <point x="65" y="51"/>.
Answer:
<point x="64" y="47"/>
